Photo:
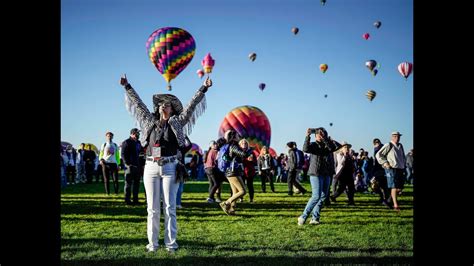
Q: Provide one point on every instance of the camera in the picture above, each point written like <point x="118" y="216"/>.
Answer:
<point x="312" y="130"/>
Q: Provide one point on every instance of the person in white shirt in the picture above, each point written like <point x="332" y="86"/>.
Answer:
<point x="392" y="158"/>
<point x="109" y="158"/>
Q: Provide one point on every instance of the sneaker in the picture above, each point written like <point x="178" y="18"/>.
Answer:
<point x="179" y="207"/>
<point x="209" y="200"/>
<point x="218" y="200"/>
<point x="225" y="207"/>
<point x="171" y="250"/>
<point x="313" y="221"/>
<point x="150" y="248"/>
<point x="300" y="221"/>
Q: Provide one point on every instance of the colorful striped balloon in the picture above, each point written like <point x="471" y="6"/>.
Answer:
<point x="405" y="69"/>
<point x="170" y="50"/>
<point x="250" y="123"/>
<point x="195" y="150"/>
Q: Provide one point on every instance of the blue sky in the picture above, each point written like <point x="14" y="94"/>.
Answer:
<point x="101" y="39"/>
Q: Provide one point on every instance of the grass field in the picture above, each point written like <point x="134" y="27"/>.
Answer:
<point x="99" y="229"/>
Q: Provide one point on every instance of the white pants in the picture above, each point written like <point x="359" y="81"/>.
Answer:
<point x="161" y="180"/>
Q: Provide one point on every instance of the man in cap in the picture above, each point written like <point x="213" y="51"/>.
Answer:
<point x="131" y="148"/>
<point x="392" y="158"/>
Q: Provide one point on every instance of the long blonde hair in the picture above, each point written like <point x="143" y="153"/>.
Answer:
<point x="242" y="141"/>
<point x="262" y="149"/>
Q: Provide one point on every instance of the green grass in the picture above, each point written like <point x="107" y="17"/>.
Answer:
<point x="99" y="229"/>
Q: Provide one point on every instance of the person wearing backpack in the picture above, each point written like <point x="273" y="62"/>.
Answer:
<point x="164" y="133"/>
<point x="392" y="158"/>
<point x="229" y="161"/>
<point x="293" y="166"/>
<point x="379" y="180"/>
<point x="109" y="159"/>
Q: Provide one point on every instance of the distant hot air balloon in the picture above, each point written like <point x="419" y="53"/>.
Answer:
<point x="370" y="94"/>
<point x="323" y="2"/>
<point x="371" y="64"/>
<point x="295" y="30"/>
<point x="330" y="124"/>
<point x="325" y="95"/>
<point x="405" y="69"/>
<point x="262" y="86"/>
<point x="195" y="150"/>
<point x="170" y="50"/>
<point x="366" y="36"/>
<point x="200" y="73"/>
<point x="377" y="24"/>
<point x="252" y="56"/>
<point x="250" y="123"/>
<point x="374" y="72"/>
<point x="323" y="68"/>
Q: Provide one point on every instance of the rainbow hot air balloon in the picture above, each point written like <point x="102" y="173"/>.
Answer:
<point x="195" y="150"/>
<point x="200" y="73"/>
<point x="208" y="63"/>
<point x="261" y="86"/>
<point x="405" y="69"/>
<point x="250" y="123"/>
<point x="170" y="50"/>
<point x="295" y="30"/>
<point x="252" y="56"/>
<point x="370" y="95"/>
<point x="323" y="68"/>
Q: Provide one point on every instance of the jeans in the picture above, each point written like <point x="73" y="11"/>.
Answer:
<point x="161" y="180"/>
<point x="319" y="192"/>
<point x="179" y="193"/>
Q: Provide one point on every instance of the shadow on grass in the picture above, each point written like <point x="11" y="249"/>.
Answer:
<point x="261" y="259"/>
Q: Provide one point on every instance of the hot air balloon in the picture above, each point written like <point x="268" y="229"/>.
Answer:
<point x="295" y="30"/>
<point x="374" y="72"/>
<point x="371" y="64"/>
<point x="323" y="68"/>
<point x="330" y="124"/>
<point x="405" y="69"/>
<point x="272" y="152"/>
<point x="323" y="2"/>
<point x="325" y="95"/>
<point x="208" y="63"/>
<point x="252" y="56"/>
<point x="250" y="123"/>
<point x="200" y="73"/>
<point x="170" y="50"/>
<point x="195" y="150"/>
<point x="370" y="94"/>
<point x="366" y="36"/>
<point x="261" y="86"/>
<point x="377" y="24"/>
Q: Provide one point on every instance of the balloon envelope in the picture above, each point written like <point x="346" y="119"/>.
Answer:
<point x="371" y="64"/>
<point x="377" y="24"/>
<point x="366" y="36"/>
<point x="170" y="50"/>
<point x="323" y="68"/>
<point x="261" y="86"/>
<point x="295" y="30"/>
<point x="405" y="69"/>
<point x="250" y="123"/>
<point x="370" y="95"/>
<point x="252" y="56"/>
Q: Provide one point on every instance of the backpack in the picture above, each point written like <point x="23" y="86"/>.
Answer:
<point x="223" y="160"/>
<point x="299" y="162"/>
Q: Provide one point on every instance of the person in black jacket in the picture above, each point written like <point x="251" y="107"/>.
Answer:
<point x="89" y="162"/>
<point x="266" y="168"/>
<point x="321" y="169"/>
<point x="131" y="148"/>
<point x="292" y="169"/>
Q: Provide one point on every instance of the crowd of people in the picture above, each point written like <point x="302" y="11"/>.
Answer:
<point x="155" y="155"/>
